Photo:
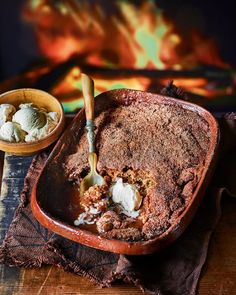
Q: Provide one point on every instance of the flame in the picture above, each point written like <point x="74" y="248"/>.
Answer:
<point x="69" y="88"/>
<point x="119" y="35"/>
<point x="134" y="36"/>
<point x="143" y="32"/>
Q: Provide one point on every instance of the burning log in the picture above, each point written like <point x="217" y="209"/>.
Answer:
<point x="64" y="81"/>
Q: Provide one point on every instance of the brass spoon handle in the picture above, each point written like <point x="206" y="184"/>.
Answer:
<point x="93" y="163"/>
<point x="88" y="94"/>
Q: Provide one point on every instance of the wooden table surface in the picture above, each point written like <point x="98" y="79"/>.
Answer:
<point x="218" y="276"/>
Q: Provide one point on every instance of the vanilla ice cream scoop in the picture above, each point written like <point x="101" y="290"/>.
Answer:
<point x="6" y="112"/>
<point x="29" y="118"/>
<point x="27" y="105"/>
<point x="126" y="195"/>
<point x="52" y="119"/>
<point x="12" y="132"/>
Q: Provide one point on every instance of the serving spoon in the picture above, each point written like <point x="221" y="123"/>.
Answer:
<point x="93" y="177"/>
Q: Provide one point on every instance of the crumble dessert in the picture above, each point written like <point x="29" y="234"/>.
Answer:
<point x="151" y="154"/>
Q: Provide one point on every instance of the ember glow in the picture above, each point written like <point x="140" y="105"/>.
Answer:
<point x="118" y="35"/>
<point x="69" y="89"/>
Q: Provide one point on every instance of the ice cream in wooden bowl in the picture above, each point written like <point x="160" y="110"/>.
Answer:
<point x="30" y="120"/>
<point x="156" y="155"/>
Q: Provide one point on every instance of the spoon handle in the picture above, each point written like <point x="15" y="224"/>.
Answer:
<point x="88" y="94"/>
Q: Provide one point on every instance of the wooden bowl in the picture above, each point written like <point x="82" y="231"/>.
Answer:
<point x="41" y="99"/>
<point x="53" y="204"/>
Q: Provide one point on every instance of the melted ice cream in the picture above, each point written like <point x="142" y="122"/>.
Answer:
<point x="127" y="196"/>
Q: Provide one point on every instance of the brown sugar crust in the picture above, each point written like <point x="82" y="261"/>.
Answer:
<point x="163" y="148"/>
<point x="111" y="225"/>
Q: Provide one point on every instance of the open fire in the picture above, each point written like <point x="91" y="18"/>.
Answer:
<point x="122" y="44"/>
<point x="123" y="36"/>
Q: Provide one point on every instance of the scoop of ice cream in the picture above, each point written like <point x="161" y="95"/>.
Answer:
<point x="6" y="112"/>
<point x="11" y="132"/>
<point x="32" y="106"/>
<point x="126" y="195"/>
<point x="54" y="116"/>
<point x="27" y="105"/>
<point x="29" y="118"/>
<point x="38" y="133"/>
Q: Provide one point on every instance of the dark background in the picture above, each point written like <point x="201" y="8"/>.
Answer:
<point x="18" y="49"/>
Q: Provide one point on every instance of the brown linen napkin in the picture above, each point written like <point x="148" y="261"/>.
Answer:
<point x="175" y="270"/>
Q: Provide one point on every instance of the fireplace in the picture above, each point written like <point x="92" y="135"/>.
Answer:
<point x="132" y="44"/>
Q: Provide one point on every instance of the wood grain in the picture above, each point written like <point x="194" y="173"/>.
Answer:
<point x="218" y="277"/>
<point x="13" y="173"/>
<point x="219" y="274"/>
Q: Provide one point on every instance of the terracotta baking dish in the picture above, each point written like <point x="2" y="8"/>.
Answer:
<point x="52" y="203"/>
